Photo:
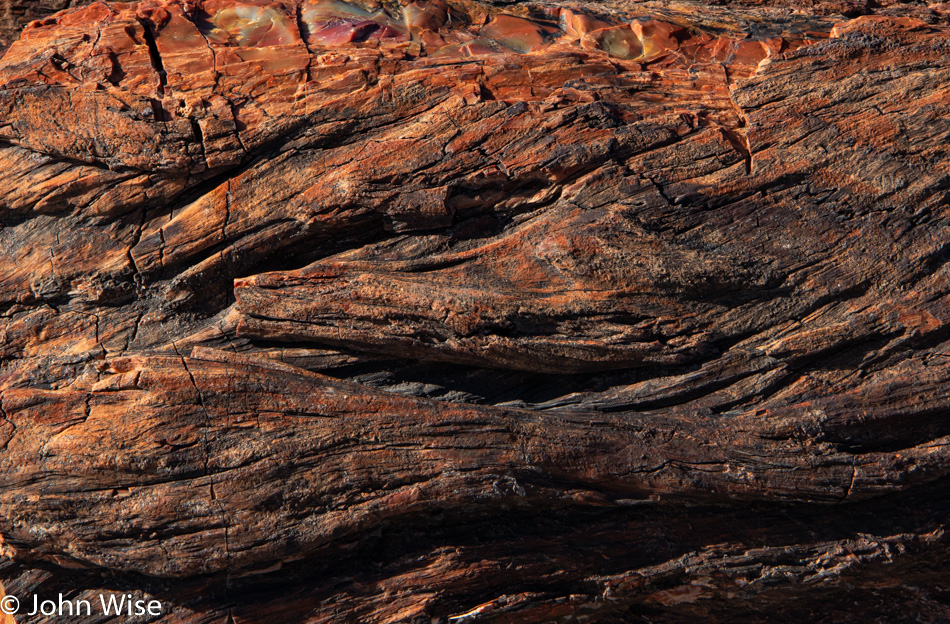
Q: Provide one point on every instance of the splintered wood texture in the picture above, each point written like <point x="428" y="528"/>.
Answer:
<point x="452" y="312"/>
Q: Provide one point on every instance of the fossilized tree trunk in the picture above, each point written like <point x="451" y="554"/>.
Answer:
<point x="317" y="312"/>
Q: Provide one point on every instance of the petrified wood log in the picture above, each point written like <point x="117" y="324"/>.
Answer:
<point x="452" y="311"/>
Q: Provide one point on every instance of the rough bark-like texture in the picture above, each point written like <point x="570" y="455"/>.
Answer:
<point x="325" y="312"/>
<point x="15" y="14"/>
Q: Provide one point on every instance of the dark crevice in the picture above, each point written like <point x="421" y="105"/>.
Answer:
<point x="659" y="189"/>
<point x="199" y="137"/>
<point x="741" y="144"/>
<point x="891" y="434"/>
<point x="155" y="57"/>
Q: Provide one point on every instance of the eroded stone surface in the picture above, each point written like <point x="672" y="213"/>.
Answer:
<point x="418" y="300"/>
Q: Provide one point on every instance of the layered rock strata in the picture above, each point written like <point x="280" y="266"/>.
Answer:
<point x="450" y="311"/>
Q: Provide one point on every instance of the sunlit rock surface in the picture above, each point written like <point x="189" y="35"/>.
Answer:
<point x="316" y="311"/>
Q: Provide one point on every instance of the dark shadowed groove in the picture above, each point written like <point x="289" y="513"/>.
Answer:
<point x="155" y="56"/>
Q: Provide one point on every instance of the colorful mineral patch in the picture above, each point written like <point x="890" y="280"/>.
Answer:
<point x="244" y="24"/>
<point x="332" y="23"/>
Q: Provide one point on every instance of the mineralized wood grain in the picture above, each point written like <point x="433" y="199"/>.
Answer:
<point x="317" y="311"/>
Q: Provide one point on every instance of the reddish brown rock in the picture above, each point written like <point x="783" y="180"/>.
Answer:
<point x="347" y="312"/>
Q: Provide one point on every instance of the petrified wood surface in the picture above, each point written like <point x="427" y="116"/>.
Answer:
<point x="326" y="312"/>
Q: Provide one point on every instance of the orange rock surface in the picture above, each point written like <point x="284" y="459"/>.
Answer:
<point x="452" y="311"/>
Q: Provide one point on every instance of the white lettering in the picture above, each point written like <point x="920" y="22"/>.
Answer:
<point x="114" y="607"/>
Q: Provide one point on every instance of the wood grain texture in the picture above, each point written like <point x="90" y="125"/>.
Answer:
<point x="459" y="312"/>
